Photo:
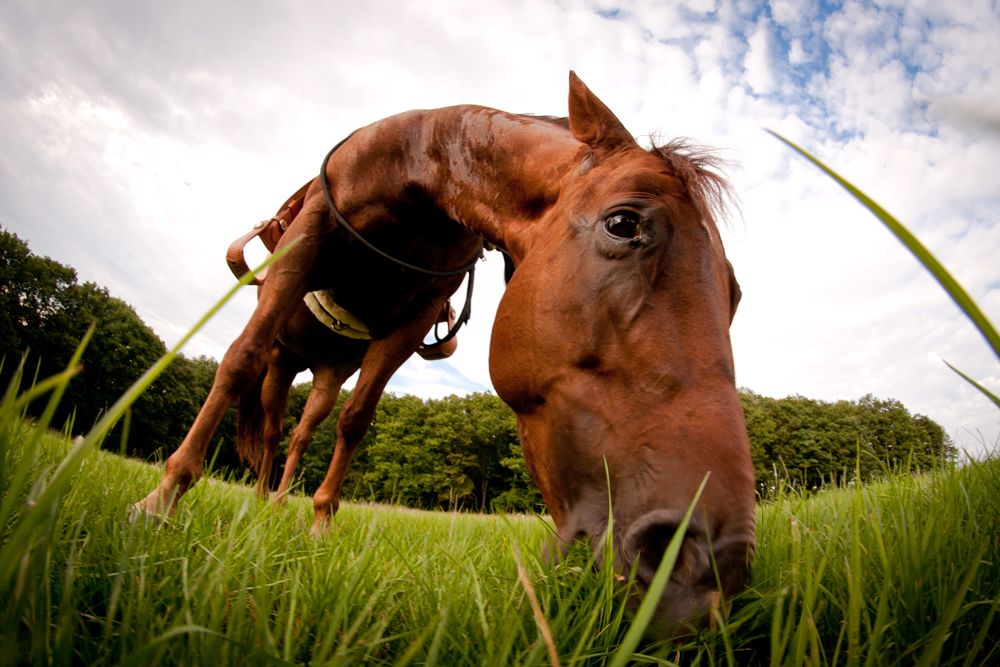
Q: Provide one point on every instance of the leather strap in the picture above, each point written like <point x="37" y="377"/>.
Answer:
<point x="269" y="231"/>
<point x="447" y="348"/>
<point x="353" y="232"/>
<point x="469" y="268"/>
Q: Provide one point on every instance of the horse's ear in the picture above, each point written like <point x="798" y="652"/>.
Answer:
<point x="591" y="121"/>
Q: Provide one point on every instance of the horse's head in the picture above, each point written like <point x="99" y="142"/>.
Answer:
<point x="612" y="346"/>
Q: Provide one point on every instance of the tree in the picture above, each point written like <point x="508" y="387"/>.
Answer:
<point x="43" y="310"/>
<point x="895" y="438"/>
<point x="499" y="465"/>
<point x="807" y="442"/>
<point x="459" y="451"/>
<point x="403" y="464"/>
<point x="31" y="293"/>
<point x="167" y="409"/>
<point x="121" y="349"/>
<point x="316" y="460"/>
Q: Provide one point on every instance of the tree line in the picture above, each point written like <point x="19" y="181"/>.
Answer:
<point x="44" y="313"/>
<point x="806" y="443"/>
<point x="459" y="451"/>
<point x="453" y="452"/>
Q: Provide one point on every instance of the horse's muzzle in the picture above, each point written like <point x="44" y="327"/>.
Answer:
<point x="704" y="568"/>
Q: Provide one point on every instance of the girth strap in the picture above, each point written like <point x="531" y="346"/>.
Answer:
<point x="329" y="312"/>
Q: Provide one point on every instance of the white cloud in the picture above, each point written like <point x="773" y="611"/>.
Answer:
<point x="792" y="13"/>
<point x="757" y="62"/>
<point x="137" y="144"/>
<point x="797" y="54"/>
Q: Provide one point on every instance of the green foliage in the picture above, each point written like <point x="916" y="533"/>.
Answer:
<point x="122" y="348"/>
<point x="464" y="452"/>
<point x="168" y="408"/>
<point x="455" y="452"/>
<point x="440" y="452"/>
<point x="880" y="573"/>
<point x="31" y="290"/>
<point x="809" y="443"/>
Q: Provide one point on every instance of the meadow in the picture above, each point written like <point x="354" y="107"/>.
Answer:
<point x="899" y="571"/>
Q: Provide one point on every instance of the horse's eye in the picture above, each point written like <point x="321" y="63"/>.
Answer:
<point x="623" y="225"/>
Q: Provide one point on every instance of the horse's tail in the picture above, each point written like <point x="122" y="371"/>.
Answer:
<point x="250" y="424"/>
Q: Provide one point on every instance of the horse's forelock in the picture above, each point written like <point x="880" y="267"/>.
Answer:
<point x="701" y="170"/>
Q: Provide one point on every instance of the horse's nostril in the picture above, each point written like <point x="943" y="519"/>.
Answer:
<point x="710" y="568"/>
<point x="650" y="547"/>
<point x="648" y="538"/>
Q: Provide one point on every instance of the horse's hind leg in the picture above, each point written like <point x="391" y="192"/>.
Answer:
<point x="243" y="363"/>
<point x="381" y="360"/>
<point x="327" y="381"/>
<point x="281" y="372"/>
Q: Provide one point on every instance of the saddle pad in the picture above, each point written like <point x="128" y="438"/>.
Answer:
<point x="326" y="310"/>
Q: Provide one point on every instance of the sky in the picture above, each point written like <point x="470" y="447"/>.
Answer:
<point x="138" y="139"/>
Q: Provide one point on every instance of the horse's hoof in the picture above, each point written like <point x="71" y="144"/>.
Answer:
<point x="320" y="529"/>
<point x="153" y="508"/>
<point x="138" y="513"/>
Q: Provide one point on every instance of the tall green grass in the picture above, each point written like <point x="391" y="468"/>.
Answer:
<point x="903" y="571"/>
<point x="233" y="579"/>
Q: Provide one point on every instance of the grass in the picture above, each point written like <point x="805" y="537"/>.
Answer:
<point x="902" y="571"/>
<point x="236" y="580"/>
<point x="924" y="256"/>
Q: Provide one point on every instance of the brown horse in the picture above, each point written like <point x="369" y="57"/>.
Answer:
<point x="611" y="343"/>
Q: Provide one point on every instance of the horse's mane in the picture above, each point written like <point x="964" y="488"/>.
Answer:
<point x="561" y="121"/>
<point x="700" y="169"/>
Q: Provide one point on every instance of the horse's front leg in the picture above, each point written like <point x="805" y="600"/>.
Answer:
<point x="242" y="364"/>
<point x="383" y="358"/>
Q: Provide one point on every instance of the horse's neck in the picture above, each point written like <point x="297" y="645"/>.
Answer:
<point x="495" y="173"/>
<point x="511" y="172"/>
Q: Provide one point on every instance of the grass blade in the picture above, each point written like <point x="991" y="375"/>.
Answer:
<point x="141" y="657"/>
<point x="955" y="291"/>
<point x="990" y="395"/>
<point x="933" y="650"/>
<point x="19" y="538"/>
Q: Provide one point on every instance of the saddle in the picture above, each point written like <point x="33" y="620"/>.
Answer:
<point x="269" y="231"/>
<point x="320" y="303"/>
